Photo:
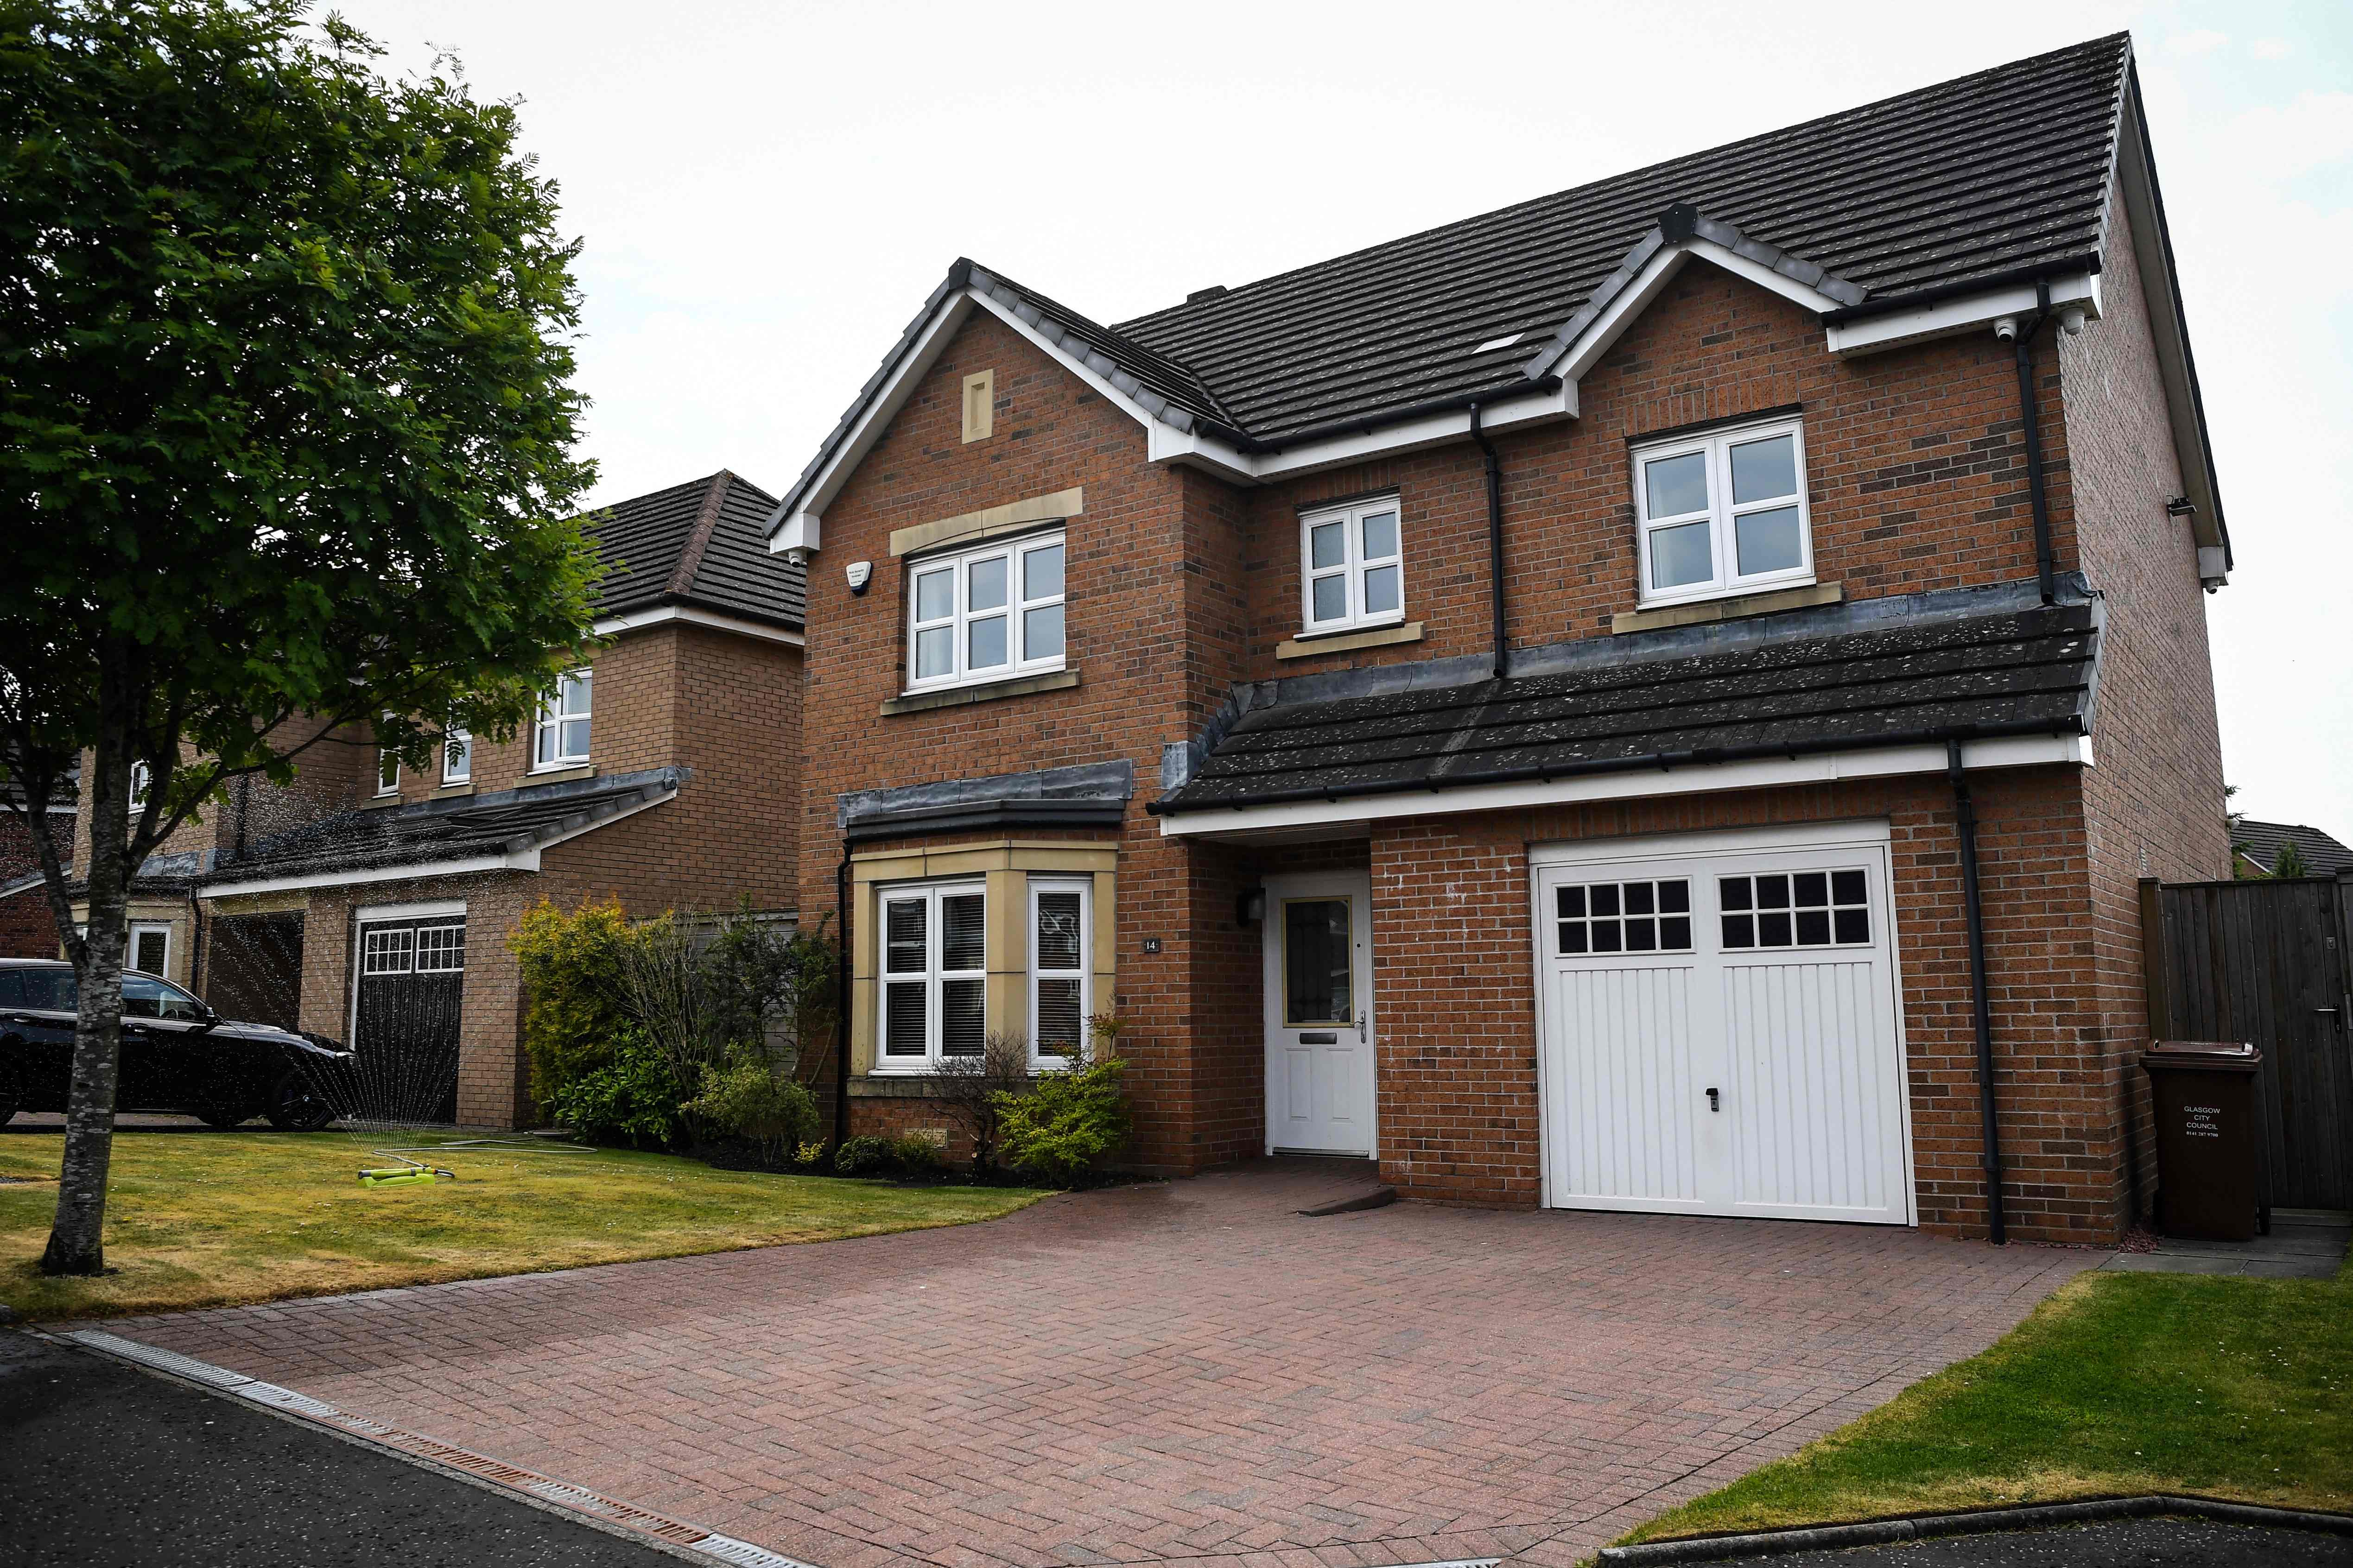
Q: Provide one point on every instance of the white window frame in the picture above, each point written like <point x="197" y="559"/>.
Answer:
<point x="457" y="749"/>
<point x="137" y="927"/>
<point x="387" y="771"/>
<point x="548" y="757"/>
<point x="1721" y="513"/>
<point x="958" y="621"/>
<point x="1085" y="889"/>
<point x="935" y="975"/>
<point x="140" y="779"/>
<point x="1353" y="565"/>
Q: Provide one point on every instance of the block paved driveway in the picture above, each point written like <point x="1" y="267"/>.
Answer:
<point x="1184" y="1371"/>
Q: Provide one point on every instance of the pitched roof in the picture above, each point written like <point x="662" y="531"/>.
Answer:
<point x="2017" y="671"/>
<point x="1969" y="181"/>
<point x="702" y="543"/>
<point x="2262" y="842"/>
<point x="431" y="833"/>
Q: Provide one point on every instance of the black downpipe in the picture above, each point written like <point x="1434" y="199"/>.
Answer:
<point x="841" y="1000"/>
<point x="2030" y="418"/>
<point x="1965" y="810"/>
<point x="1494" y="531"/>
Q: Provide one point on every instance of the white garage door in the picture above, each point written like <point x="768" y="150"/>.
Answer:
<point x="1718" y="1026"/>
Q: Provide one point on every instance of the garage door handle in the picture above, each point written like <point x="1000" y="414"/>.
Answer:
<point x="1713" y="1100"/>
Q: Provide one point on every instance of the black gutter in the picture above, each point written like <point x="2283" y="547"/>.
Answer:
<point x="1494" y="532"/>
<point x="2029" y="419"/>
<point x="2040" y="272"/>
<point x="1651" y="762"/>
<point x="1966" y="814"/>
<point x="842" y="1000"/>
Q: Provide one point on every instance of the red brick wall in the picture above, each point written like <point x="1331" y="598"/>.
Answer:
<point x="2153" y="804"/>
<point x="27" y="927"/>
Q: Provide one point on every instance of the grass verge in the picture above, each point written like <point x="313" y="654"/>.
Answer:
<point x="219" y="1219"/>
<point x="2118" y="1384"/>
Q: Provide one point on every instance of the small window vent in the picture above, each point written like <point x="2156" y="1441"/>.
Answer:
<point x="1491" y="345"/>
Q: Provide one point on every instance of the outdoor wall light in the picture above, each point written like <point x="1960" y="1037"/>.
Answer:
<point x="860" y="573"/>
<point x="1249" y="905"/>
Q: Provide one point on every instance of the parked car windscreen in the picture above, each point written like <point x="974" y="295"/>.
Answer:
<point x="144" y="996"/>
<point x="43" y="990"/>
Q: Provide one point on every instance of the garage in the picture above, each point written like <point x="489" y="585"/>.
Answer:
<point x="408" y="993"/>
<point x="1718" y="1025"/>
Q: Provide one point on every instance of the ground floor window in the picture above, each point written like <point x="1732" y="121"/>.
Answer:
<point x="935" y="973"/>
<point x="151" y="947"/>
<point x="1060" y="927"/>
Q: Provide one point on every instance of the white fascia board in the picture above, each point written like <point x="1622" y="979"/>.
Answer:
<point x="637" y="620"/>
<point x="1383" y="440"/>
<point x="522" y="860"/>
<point x="1699" y="778"/>
<point x="1961" y="313"/>
<point x="429" y="909"/>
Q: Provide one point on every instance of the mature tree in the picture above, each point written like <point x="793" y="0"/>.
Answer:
<point x="286" y="437"/>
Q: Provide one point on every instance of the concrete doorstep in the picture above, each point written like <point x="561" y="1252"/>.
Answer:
<point x="2304" y="1244"/>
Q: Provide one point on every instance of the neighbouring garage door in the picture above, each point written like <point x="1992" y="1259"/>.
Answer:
<point x="1718" y="1026"/>
<point x="411" y="983"/>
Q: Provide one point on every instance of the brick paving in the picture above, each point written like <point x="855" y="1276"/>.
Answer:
<point x="1187" y="1371"/>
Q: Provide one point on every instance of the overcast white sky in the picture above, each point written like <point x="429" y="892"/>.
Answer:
<point x="768" y="192"/>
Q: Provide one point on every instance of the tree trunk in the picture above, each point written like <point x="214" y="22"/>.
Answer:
<point x="77" y="1240"/>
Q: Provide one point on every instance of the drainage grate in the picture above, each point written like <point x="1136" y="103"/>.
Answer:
<point x="178" y="1365"/>
<point x="727" y="1549"/>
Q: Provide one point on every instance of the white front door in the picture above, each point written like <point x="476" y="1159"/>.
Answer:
<point x="1319" y="1014"/>
<point x="1718" y="1025"/>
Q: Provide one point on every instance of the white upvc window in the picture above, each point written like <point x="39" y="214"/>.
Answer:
<point x="140" y="779"/>
<point x="457" y="755"/>
<point x="1351" y="566"/>
<point x="1723" y="512"/>
<point x="561" y="739"/>
<point x="151" y="947"/>
<point x="985" y="615"/>
<point x="387" y="771"/>
<point x="1061" y="939"/>
<point x="935" y="980"/>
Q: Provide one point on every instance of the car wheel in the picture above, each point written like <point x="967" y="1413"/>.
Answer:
<point x="295" y="1106"/>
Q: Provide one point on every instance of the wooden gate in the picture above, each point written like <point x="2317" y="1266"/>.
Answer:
<point x="2268" y="961"/>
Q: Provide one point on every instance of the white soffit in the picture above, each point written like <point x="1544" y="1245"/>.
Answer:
<point x="1961" y="313"/>
<point x="1632" y="783"/>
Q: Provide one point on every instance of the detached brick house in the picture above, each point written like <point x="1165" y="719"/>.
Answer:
<point x="1545" y="702"/>
<point x="370" y="904"/>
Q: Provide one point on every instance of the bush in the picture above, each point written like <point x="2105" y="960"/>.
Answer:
<point x="969" y="1090"/>
<point x="572" y="966"/>
<point x="917" y="1155"/>
<point x="1068" y="1119"/>
<point x="864" y="1155"/>
<point x="634" y="1095"/>
<point x="745" y="1098"/>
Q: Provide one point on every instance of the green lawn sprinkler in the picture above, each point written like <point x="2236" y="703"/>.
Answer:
<point x="407" y="1173"/>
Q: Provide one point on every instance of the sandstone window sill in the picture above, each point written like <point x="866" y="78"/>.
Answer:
<point x="1733" y="609"/>
<point x="559" y="775"/>
<point x="961" y="695"/>
<point x="379" y="802"/>
<point x="1348" y="642"/>
<point x="452" y="791"/>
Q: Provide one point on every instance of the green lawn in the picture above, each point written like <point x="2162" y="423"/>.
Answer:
<point x="206" y="1220"/>
<point x="2120" y="1383"/>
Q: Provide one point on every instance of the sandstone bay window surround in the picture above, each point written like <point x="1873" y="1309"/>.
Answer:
<point x="560" y="738"/>
<point x="952" y="945"/>
<point x="1723" y="512"/>
<point x="985" y="615"/>
<point x="1351" y="567"/>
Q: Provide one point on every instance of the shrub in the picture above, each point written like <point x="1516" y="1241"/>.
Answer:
<point x="572" y="966"/>
<point x="634" y="1095"/>
<point x="745" y="1098"/>
<point x="864" y="1155"/>
<point x="968" y="1091"/>
<point x="1067" y="1121"/>
<point x="917" y="1154"/>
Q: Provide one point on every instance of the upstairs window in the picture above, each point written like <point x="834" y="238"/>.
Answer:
<point x="985" y="615"/>
<point x="457" y="756"/>
<point x="1351" y="567"/>
<point x="1723" y="513"/>
<point x="561" y="737"/>
<point x="387" y="770"/>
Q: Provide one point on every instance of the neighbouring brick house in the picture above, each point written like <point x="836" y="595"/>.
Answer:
<point x="27" y="930"/>
<point x="368" y="903"/>
<point x="1502" y="701"/>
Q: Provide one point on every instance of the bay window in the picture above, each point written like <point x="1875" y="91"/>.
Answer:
<point x="1723" y="513"/>
<point x="1060" y="934"/>
<point x="935" y="975"/>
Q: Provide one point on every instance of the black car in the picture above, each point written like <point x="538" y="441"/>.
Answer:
<point x="177" y="1054"/>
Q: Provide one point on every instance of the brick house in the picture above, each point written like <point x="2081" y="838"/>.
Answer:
<point x="27" y="927"/>
<point x="1545" y="702"/>
<point x="366" y="903"/>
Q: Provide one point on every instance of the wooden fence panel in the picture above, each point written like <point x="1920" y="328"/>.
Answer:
<point x="2269" y="962"/>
